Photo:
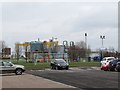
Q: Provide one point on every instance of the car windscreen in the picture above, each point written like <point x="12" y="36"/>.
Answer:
<point x="111" y="59"/>
<point x="60" y="61"/>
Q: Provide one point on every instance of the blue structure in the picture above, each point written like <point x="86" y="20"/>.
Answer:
<point x="36" y="46"/>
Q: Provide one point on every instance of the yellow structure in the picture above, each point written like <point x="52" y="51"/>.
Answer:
<point x="23" y="44"/>
<point x="50" y="44"/>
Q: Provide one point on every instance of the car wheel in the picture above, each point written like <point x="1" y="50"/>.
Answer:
<point x="106" y="69"/>
<point x="118" y="70"/>
<point x="67" y="68"/>
<point x="109" y="69"/>
<point x="52" y="67"/>
<point x="115" y="69"/>
<point x="101" y="68"/>
<point x="18" y="71"/>
<point x="56" y="68"/>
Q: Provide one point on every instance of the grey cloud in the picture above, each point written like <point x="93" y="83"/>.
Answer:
<point x="64" y="21"/>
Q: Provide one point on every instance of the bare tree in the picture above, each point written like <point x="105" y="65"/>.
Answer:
<point x="78" y="51"/>
<point x="2" y="46"/>
<point x="72" y="53"/>
<point x="81" y="47"/>
<point x="81" y="44"/>
<point x="18" y="51"/>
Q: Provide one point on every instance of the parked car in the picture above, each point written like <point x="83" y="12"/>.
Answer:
<point x="59" y="64"/>
<point x="105" y="63"/>
<point x="118" y="66"/>
<point x="112" y="65"/>
<point x="8" y="67"/>
<point x="104" y="66"/>
<point x="97" y="58"/>
<point x="107" y="59"/>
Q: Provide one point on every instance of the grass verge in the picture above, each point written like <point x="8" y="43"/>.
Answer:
<point x="47" y="64"/>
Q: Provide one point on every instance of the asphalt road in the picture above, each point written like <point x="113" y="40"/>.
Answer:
<point x="86" y="79"/>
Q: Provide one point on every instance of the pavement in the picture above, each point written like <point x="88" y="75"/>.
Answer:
<point x="29" y="81"/>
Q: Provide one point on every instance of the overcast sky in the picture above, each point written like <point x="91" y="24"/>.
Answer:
<point x="69" y="21"/>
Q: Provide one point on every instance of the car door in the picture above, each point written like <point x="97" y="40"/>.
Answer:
<point x="7" y="67"/>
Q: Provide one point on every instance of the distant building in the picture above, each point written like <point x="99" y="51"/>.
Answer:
<point x="45" y="50"/>
<point x="61" y="52"/>
<point x="60" y="49"/>
<point x="6" y="53"/>
<point x="36" y="46"/>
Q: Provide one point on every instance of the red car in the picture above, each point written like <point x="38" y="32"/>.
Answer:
<point x="105" y="67"/>
<point x="105" y="63"/>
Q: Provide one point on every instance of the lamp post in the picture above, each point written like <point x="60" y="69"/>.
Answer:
<point x="86" y="40"/>
<point x="102" y="37"/>
<point x="86" y="45"/>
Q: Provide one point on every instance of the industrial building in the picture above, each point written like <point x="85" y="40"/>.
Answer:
<point x="42" y="51"/>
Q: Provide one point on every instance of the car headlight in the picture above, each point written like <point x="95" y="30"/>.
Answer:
<point x="58" y="64"/>
<point x="67" y="64"/>
<point x="23" y="67"/>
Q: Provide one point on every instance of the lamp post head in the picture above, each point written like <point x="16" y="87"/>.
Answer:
<point x="85" y="34"/>
<point x="102" y="37"/>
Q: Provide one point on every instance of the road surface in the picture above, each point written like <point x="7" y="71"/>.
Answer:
<point x="81" y="78"/>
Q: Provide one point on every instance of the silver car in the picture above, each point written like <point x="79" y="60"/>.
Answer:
<point x="8" y="67"/>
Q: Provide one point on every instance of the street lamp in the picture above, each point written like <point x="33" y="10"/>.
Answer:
<point x="102" y="37"/>
<point x="86" y="45"/>
<point x="86" y="40"/>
